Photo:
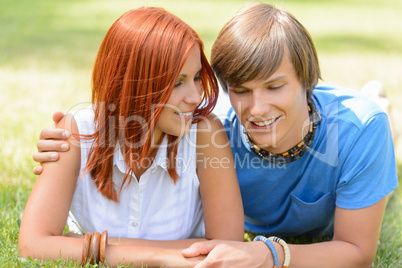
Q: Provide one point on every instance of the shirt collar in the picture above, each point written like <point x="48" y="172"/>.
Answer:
<point x="118" y="159"/>
<point x="160" y="158"/>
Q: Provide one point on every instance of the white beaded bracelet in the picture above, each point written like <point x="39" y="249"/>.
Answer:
<point x="285" y="248"/>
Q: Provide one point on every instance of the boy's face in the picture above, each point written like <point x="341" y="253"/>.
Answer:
<point x="273" y="111"/>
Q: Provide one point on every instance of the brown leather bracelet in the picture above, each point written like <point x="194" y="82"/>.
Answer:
<point x="85" y="248"/>
<point x="102" y="248"/>
<point x="94" y="248"/>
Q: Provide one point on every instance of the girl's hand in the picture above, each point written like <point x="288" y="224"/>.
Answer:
<point x="230" y="254"/>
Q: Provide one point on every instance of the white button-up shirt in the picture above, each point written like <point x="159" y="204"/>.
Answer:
<point x="153" y="207"/>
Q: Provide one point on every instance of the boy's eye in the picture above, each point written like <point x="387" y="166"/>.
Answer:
<point x="239" y="91"/>
<point x="275" y="87"/>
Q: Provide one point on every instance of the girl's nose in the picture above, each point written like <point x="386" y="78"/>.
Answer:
<point x="194" y="94"/>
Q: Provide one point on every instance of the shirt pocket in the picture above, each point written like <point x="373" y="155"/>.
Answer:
<point x="312" y="214"/>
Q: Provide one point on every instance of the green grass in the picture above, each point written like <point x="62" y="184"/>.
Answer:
<point x="48" y="47"/>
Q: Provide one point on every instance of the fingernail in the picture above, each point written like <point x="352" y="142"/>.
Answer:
<point x="64" y="146"/>
<point x="53" y="156"/>
<point x="65" y="134"/>
<point x="187" y="251"/>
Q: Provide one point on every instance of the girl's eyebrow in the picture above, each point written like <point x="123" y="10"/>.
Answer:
<point x="185" y="75"/>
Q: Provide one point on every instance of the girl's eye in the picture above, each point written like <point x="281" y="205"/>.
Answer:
<point x="198" y="78"/>
<point x="179" y="83"/>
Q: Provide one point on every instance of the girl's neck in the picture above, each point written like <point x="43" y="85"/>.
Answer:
<point x="140" y="166"/>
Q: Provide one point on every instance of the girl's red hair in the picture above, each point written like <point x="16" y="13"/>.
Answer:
<point x="135" y="72"/>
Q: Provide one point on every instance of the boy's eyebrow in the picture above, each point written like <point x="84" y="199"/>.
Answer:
<point x="275" y="79"/>
<point x="265" y="83"/>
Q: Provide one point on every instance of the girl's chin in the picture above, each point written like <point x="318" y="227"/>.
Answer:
<point x="180" y="132"/>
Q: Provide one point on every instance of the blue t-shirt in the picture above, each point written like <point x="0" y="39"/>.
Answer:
<point x="350" y="164"/>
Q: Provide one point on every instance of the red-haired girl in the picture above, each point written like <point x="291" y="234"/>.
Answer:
<point x="143" y="156"/>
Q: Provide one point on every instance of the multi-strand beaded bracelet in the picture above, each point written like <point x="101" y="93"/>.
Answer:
<point x="271" y="247"/>
<point x="94" y="248"/>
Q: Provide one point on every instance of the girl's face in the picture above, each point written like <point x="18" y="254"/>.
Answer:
<point x="177" y="114"/>
<point x="273" y="111"/>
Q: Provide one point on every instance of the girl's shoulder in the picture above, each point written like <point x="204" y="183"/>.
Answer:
<point x="209" y="123"/>
<point x="84" y="119"/>
<point x="211" y="133"/>
<point x="69" y="123"/>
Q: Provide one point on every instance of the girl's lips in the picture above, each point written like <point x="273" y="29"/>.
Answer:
<point x="185" y="116"/>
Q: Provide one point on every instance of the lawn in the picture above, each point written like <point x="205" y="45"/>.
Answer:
<point x="48" y="47"/>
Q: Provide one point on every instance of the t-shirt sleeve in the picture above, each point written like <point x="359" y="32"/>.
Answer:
<point x="369" y="171"/>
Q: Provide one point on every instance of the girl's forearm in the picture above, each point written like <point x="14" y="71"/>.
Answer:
<point x="172" y="244"/>
<point x="128" y="251"/>
<point x="167" y="244"/>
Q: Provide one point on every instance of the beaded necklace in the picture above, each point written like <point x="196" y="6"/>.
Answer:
<point x="295" y="152"/>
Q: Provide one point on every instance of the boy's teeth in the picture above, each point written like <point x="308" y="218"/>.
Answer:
<point x="264" y="123"/>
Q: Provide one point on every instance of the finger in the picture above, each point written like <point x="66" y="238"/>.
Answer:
<point x="191" y="262"/>
<point x="52" y="146"/>
<point x="38" y="170"/>
<point x="57" y="116"/>
<point x="206" y="263"/>
<point x="45" y="157"/>
<point x="54" y="133"/>
<point x="199" y="248"/>
<point x="200" y="265"/>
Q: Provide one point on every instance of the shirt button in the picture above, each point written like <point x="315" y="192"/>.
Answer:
<point x="135" y="224"/>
